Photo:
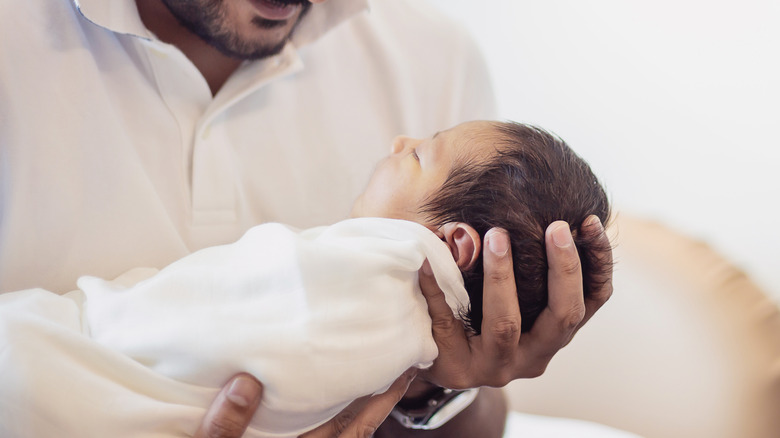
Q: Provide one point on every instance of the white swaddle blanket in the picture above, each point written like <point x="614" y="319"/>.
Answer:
<point x="321" y="317"/>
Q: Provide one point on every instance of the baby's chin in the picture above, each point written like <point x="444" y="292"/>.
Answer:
<point x="357" y="208"/>
<point x="364" y="207"/>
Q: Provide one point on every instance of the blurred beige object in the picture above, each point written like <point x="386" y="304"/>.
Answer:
<point x="687" y="347"/>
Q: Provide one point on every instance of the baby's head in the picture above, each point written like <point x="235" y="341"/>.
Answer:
<point x="479" y="175"/>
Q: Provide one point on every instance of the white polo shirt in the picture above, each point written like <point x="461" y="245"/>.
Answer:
<point x="114" y="154"/>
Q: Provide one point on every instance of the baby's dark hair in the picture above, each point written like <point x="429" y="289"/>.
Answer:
<point x="533" y="180"/>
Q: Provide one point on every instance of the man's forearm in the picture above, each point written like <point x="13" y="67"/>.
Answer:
<point x="484" y="418"/>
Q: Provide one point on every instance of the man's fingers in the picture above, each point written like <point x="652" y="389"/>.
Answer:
<point x="565" y="309"/>
<point x="593" y="231"/>
<point x="364" y="416"/>
<point x="378" y="407"/>
<point x="337" y="425"/>
<point x="447" y="330"/>
<point x="232" y="409"/>
<point x="564" y="281"/>
<point x="500" y="313"/>
<point x="452" y="368"/>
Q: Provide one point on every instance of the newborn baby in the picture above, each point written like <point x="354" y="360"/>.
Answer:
<point x="320" y="316"/>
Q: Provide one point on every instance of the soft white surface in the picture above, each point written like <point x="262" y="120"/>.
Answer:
<point x="520" y="425"/>
<point x="321" y="317"/>
<point x="673" y="102"/>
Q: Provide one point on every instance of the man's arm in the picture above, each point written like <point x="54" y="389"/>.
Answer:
<point x="233" y="408"/>
<point x="363" y="416"/>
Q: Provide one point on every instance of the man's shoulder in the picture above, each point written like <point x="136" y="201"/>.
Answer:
<point x="37" y="15"/>
<point x="35" y="26"/>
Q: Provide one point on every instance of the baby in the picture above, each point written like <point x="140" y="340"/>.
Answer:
<point x="320" y="316"/>
<point x="480" y="175"/>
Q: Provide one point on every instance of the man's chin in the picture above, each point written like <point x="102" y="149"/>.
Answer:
<point x="260" y="42"/>
<point x="253" y="55"/>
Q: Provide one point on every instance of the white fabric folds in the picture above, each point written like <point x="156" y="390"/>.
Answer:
<point x="320" y="316"/>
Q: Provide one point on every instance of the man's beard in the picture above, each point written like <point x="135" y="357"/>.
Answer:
<point x="206" y="19"/>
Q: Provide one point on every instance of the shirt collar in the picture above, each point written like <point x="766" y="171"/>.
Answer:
<point x="121" y="16"/>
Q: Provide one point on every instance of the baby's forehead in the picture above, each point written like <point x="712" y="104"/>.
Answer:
<point x="477" y="140"/>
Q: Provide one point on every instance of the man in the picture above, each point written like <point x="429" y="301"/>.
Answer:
<point x="164" y="126"/>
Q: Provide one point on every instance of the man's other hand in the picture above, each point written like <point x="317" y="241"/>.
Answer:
<point x="500" y="354"/>
<point x="363" y="416"/>
<point x="232" y="409"/>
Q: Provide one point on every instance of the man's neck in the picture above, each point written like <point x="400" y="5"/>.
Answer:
<point x="215" y="67"/>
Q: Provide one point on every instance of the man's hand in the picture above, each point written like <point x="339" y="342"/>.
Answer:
<point x="363" y="416"/>
<point x="232" y="410"/>
<point x="500" y="355"/>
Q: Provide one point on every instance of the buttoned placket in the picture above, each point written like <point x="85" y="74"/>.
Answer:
<point x="206" y="151"/>
<point x="206" y="144"/>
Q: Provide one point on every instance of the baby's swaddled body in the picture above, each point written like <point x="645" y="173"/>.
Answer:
<point x="320" y="316"/>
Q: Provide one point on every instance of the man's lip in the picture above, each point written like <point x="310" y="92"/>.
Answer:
<point x="274" y="11"/>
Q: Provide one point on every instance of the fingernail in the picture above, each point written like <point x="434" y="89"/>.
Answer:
<point x="592" y="221"/>
<point x="498" y="242"/>
<point x="426" y="268"/>
<point x="410" y="374"/>
<point x="561" y="235"/>
<point x="242" y="391"/>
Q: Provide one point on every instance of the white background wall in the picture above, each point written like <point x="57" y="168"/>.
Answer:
<point x="675" y="104"/>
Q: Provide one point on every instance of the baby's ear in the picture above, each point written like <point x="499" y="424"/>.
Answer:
<point x="464" y="242"/>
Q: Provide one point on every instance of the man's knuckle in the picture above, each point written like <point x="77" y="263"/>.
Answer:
<point x="500" y="276"/>
<point x="342" y="421"/>
<point x="505" y="330"/>
<point x="365" y="430"/>
<point x="225" y="427"/>
<point x="433" y="293"/>
<point x="570" y="267"/>
<point x="443" y="325"/>
<point x="572" y="319"/>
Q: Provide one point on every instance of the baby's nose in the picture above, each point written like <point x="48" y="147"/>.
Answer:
<point x="398" y="144"/>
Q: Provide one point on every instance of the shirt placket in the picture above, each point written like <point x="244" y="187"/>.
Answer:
<point x="214" y="175"/>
